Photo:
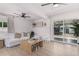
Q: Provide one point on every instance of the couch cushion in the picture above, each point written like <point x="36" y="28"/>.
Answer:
<point x="18" y="35"/>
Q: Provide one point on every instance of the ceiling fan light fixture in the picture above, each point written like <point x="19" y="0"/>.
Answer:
<point x="55" y="5"/>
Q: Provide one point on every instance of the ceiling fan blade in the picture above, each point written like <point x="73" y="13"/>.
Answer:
<point x="23" y="15"/>
<point x="59" y="3"/>
<point x="46" y="4"/>
<point x="53" y="4"/>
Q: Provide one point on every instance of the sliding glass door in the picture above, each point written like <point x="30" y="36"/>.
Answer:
<point x="64" y="31"/>
<point x="58" y="30"/>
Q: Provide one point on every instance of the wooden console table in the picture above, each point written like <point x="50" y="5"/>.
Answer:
<point x="31" y="45"/>
<point x="1" y="43"/>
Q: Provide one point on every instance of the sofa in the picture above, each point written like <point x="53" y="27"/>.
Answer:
<point x="11" y="41"/>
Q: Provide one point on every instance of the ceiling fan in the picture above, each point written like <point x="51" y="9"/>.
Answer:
<point x="23" y="15"/>
<point x="54" y="4"/>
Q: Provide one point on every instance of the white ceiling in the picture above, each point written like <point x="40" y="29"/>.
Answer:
<point x="35" y="9"/>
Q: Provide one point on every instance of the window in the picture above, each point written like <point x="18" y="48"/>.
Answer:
<point x="58" y="27"/>
<point x="66" y="31"/>
<point x="0" y="24"/>
<point x="3" y="26"/>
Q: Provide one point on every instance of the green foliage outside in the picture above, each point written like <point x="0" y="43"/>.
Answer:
<point x="76" y="28"/>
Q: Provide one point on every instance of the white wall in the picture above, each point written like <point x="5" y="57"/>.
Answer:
<point x="44" y="32"/>
<point x="67" y="15"/>
<point x="10" y="24"/>
<point x="22" y="25"/>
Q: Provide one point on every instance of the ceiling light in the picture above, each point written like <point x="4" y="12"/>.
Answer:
<point x="55" y="5"/>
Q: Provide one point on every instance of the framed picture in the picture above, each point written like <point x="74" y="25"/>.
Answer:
<point x="39" y="24"/>
<point x="25" y="34"/>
